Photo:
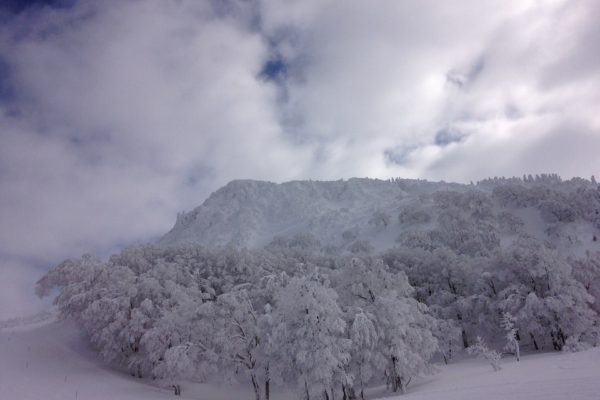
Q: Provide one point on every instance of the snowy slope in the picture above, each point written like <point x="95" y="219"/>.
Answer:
<point x="536" y="377"/>
<point x="53" y="361"/>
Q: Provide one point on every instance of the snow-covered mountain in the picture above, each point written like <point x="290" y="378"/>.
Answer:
<point x="251" y="213"/>
<point x="388" y="276"/>
<point x="354" y="213"/>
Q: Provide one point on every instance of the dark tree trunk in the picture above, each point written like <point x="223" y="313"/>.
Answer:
<point x="463" y="332"/>
<point x="557" y="342"/>
<point x="306" y="390"/>
<point x="351" y="393"/>
<point x="562" y="338"/>
<point x="396" y="380"/>
<point x="256" y="387"/>
<point x="267" y="384"/>
<point x="267" y="389"/>
<point x="393" y="378"/>
<point x="535" y="345"/>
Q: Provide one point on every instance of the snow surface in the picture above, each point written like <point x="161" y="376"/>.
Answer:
<point x="54" y="361"/>
<point x="51" y="360"/>
<point x="546" y="376"/>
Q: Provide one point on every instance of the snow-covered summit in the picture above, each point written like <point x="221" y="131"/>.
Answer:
<point x="381" y="213"/>
<point x="250" y="213"/>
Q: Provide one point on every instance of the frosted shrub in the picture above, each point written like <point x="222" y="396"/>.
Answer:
<point x="481" y="350"/>
<point x="573" y="345"/>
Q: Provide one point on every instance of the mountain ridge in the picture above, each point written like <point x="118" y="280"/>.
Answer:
<point x="252" y="213"/>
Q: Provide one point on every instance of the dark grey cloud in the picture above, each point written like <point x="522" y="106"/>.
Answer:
<point x="462" y="79"/>
<point x="115" y="115"/>
<point x="448" y="135"/>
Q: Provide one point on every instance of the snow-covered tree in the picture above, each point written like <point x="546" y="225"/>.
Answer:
<point x="239" y="336"/>
<point x="512" y="334"/>
<point x="480" y="349"/>
<point x="536" y="286"/>
<point x="391" y="332"/>
<point x="448" y="334"/>
<point x="380" y="219"/>
<point x="366" y="358"/>
<point x="309" y="331"/>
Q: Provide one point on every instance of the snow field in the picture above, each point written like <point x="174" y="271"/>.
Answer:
<point x="54" y="362"/>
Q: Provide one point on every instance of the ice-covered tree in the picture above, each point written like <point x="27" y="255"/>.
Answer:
<point x="309" y="331"/>
<point x="537" y="287"/>
<point x="481" y="350"/>
<point x="240" y="336"/>
<point x="512" y="334"/>
<point x="393" y="333"/>
<point x="366" y="358"/>
<point x="448" y="334"/>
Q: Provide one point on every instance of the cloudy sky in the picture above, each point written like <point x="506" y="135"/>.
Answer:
<point x="117" y="114"/>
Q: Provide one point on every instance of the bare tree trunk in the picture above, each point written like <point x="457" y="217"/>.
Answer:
<point x="351" y="393"/>
<point x="267" y="384"/>
<point x="395" y="378"/>
<point x="556" y="341"/>
<point x="464" y="338"/>
<point x="177" y="389"/>
<point x="267" y="389"/>
<point x="535" y="345"/>
<point x="256" y="387"/>
<point x="306" y="390"/>
<point x="463" y="332"/>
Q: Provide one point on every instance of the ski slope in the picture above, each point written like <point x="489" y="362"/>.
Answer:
<point x="546" y="376"/>
<point x="50" y="360"/>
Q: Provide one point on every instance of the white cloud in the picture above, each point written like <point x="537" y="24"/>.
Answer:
<point x="392" y="75"/>
<point x="115" y="115"/>
<point x="129" y="112"/>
